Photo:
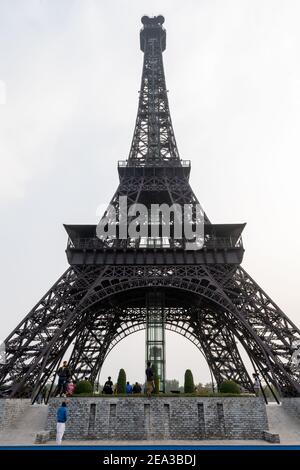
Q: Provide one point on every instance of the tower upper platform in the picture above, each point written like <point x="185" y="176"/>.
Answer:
<point x="153" y="29"/>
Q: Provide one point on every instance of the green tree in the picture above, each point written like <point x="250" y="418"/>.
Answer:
<point x="189" y="386"/>
<point x="121" y="383"/>
<point x="83" y="386"/>
<point x="229" y="386"/>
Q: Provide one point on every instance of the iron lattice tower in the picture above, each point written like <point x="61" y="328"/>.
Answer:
<point x="104" y="294"/>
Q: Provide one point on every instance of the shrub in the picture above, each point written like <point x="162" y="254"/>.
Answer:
<point x="83" y="386"/>
<point x="229" y="386"/>
<point x="121" y="383"/>
<point x="189" y="386"/>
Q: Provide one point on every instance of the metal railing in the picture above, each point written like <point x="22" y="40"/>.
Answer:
<point x="169" y="163"/>
<point x="210" y="242"/>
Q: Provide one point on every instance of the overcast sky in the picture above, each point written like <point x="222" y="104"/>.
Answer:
<point x="72" y="69"/>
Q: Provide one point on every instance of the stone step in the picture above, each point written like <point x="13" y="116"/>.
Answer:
<point x="283" y="423"/>
<point x="25" y="429"/>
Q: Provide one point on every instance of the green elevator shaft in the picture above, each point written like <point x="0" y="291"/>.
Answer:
<point x="155" y="335"/>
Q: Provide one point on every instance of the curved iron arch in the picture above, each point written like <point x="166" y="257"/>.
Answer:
<point x="195" y="279"/>
<point x="123" y="286"/>
<point x="220" y="339"/>
<point x="213" y="294"/>
<point x="142" y="326"/>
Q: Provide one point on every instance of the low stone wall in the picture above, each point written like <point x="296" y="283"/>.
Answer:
<point x="11" y="409"/>
<point x="136" y="418"/>
<point x="291" y="405"/>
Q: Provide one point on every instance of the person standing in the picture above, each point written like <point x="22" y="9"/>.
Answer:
<point x="62" y="416"/>
<point x="128" y="388"/>
<point x="256" y="384"/>
<point x="44" y="395"/>
<point x="39" y="398"/>
<point x="137" y="388"/>
<point x="70" y="387"/>
<point x="63" y="376"/>
<point x="108" y="387"/>
<point x="150" y="379"/>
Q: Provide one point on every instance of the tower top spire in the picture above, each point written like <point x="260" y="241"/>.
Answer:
<point x="153" y="142"/>
<point x="153" y="30"/>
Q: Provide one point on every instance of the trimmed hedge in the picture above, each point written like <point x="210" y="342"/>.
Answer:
<point x="121" y="383"/>
<point x="83" y="386"/>
<point x="189" y="386"/>
<point x="229" y="386"/>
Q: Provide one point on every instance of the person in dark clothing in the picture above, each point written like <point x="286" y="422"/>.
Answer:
<point x="44" y="395"/>
<point x="62" y="416"/>
<point x="39" y="398"/>
<point x="108" y="387"/>
<point x="63" y="376"/>
<point x="150" y="379"/>
<point x="137" y="388"/>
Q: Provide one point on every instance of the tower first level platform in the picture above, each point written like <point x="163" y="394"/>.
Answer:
<point x="222" y="244"/>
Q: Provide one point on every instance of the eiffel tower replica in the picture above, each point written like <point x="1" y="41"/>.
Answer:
<point x="115" y="287"/>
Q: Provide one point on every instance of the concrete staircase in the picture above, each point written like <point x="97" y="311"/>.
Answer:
<point x="30" y="424"/>
<point x="283" y="423"/>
